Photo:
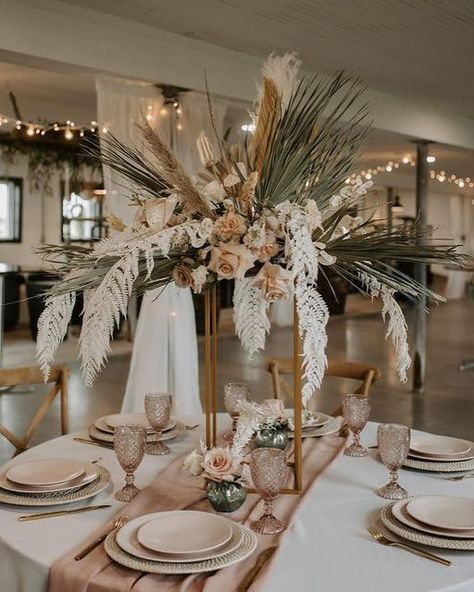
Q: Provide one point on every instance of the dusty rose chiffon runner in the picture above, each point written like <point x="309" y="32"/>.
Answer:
<point x="174" y="489"/>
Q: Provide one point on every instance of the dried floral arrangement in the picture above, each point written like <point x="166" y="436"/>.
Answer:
<point x="270" y="213"/>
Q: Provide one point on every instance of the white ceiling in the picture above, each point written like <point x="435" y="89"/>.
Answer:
<point x="415" y="49"/>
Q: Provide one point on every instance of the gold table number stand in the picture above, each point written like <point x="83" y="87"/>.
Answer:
<point x="210" y="396"/>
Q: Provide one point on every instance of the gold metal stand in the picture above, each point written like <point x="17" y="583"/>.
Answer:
<point x="210" y="395"/>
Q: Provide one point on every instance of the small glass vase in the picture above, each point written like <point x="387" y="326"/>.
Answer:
<point x="272" y="438"/>
<point x="226" y="496"/>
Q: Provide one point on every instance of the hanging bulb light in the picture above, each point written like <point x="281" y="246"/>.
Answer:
<point x="30" y="131"/>
<point x="68" y="134"/>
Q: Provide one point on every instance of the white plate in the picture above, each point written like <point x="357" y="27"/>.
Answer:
<point x="127" y="540"/>
<point x="138" y="419"/>
<point x="318" y="420"/>
<point x="89" y="474"/>
<point x="400" y="512"/>
<point x="331" y="427"/>
<point x="443" y="511"/>
<point x="101" y="436"/>
<point x="45" y="472"/>
<point x="450" y="458"/>
<point x="185" y="532"/>
<point x="102" y="425"/>
<point x="439" y="446"/>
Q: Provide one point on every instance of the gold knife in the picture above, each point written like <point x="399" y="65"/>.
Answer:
<point x="253" y="572"/>
<point x="29" y="517"/>
<point x="86" y="441"/>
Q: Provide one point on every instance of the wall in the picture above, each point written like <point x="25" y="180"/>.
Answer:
<point x="22" y="253"/>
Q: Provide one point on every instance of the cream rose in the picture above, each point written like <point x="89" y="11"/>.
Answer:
<point x="230" y="225"/>
<point x="218" y="465"/>
<point x="268" y="250"/>
<point x="183" y="275"/>
<point x="193" y="463"/>
<point x="231" y="261"/>
<point x="274" y="281"/>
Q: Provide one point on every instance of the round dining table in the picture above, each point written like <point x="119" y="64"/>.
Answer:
<point x="326" y="547"/>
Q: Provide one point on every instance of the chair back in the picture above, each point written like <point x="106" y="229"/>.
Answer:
<point x="367" y="375"/>
<point x="13" y="377"/>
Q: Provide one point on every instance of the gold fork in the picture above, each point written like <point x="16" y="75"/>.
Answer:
<point x="121" y="520"/>
<point x="380" y="538"/>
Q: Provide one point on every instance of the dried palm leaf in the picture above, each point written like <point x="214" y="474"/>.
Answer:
<point x="173" y="172"/>
<point x="267" y="121"/>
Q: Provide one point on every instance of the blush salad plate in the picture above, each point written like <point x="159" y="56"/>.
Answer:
<point x="185" y="532"/>
<point x="45" y="472"/>
<point x="443" y="512"/>
<point x="89" y="474"/>
<point x="434" y="446"/>
<point x="128" y="541"/>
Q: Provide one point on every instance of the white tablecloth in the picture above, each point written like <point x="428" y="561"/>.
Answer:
<point x="326" y="549"/>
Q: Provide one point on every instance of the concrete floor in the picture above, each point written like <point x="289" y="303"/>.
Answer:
<point x="447" y="406"/>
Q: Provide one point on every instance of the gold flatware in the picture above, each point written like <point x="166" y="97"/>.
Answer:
<point x="29" y="517"/>
<point x="380" y="538"/>
<point x="121" y="520"/>
<point x="460" y="477"/>
<point x="192" y="427"/>
<point x="93" y="443"/>
<point x="253" y="572"/>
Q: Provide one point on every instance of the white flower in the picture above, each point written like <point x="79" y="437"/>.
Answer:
<point x="199" y="275"/>
<point x="193" y="463"/>
<point x="256" y="235"/>
<point x="214" y="191"/>
<point x="335" y="201"/>
<point x="158" y="211"/>
<point x="313" y="215"/>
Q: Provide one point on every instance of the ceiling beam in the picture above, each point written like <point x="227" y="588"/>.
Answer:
<point x="67" y="34"/>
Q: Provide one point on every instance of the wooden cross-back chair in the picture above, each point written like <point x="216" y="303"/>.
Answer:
<point x="337" y="368"/>
<point x="11" y="377"/>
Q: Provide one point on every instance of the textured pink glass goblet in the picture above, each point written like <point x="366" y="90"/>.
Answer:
<point x="268" y="467"/>
<point x="234" y="393"/>
<point x="393" y="442"/>
<point x="129" y="446"/>
<point x="356" y="411"/>
<point x="158" y="410"/>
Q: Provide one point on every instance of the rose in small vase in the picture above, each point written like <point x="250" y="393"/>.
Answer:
<point x="222" y="469"/>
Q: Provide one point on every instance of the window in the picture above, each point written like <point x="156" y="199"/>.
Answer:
<point x="10" y="210"/>
<point x="82" y="213"/>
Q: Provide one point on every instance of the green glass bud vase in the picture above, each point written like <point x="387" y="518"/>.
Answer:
<point x="226" y="496"/>
<point x="272" y="438"/>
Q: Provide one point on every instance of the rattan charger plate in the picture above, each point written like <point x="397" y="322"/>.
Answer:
<point x="100" y="436"/>
<point x="60" y="497"/>
<point x="416" y="536"/>
<point x="246" y="548"/>
<point x="439" y="466"/>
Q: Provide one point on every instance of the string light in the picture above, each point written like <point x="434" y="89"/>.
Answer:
<point x="68" y="134"/>
<point x="33" y="128"/>
<point x="407" y="160"/>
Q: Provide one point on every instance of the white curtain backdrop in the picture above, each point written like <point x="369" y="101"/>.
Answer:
<point x="164" y="354"/>
<point x="461" y="232"/>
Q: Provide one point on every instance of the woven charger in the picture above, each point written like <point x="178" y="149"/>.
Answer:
<point x="60" y="497"/>
<point x="179" y="429"/>
<point x="439" y="466"/>
<point x="416" y="536"/>
<point x="246" y="548"/>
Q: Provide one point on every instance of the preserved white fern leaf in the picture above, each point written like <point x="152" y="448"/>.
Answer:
<point x="393" y="315"/>
<point x="250" y="316"/>
<point x="313" y="314"/>
<point x="52" y="328"/>
<point x="102" y="309"/>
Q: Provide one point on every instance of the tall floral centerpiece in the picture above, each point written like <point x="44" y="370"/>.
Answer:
<point x="271" y="213"/>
